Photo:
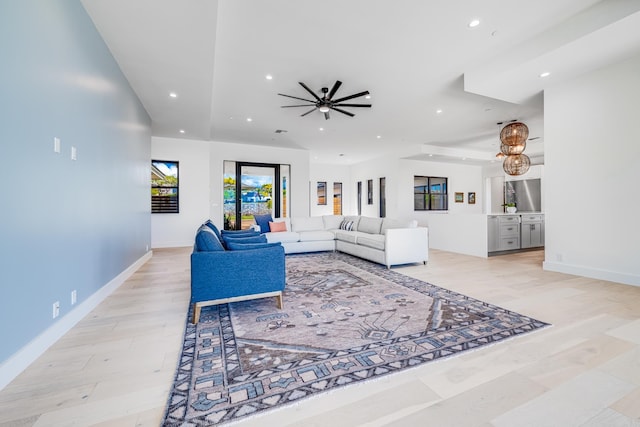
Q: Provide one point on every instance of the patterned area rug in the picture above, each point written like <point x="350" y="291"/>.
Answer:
<point x="344" y="321"/>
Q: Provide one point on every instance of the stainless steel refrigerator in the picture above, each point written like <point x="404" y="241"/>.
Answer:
<point x="526" y="194"/>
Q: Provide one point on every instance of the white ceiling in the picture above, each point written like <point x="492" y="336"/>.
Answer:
<point x="414" y="56"/>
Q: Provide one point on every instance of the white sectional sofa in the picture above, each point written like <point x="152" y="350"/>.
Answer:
<point x="382" y="240"/>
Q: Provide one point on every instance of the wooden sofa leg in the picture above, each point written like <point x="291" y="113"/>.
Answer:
<point x="279" y="301"/>
<point x="196" y="313"/>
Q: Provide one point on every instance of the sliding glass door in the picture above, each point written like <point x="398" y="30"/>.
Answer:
<point x="253" y="189"/>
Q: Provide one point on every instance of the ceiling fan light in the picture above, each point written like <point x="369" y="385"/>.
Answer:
<point x="324" y="108"/>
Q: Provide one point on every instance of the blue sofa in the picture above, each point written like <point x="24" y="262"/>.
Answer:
<point x="228" y="267"/>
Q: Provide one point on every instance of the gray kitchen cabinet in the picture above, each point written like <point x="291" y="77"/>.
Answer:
<point x="532" y="231"/>
<point x="508" y="232"/>
<point x="492" y="233"/>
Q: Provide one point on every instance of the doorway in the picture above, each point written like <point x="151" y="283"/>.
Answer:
<point x="253" y="189"/>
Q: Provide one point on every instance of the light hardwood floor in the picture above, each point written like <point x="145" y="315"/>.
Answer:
<point x="115" y="367"/>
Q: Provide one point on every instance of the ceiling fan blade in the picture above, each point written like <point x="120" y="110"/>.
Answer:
<point x="326" y="116"/>
<point x="334" y="89"/>
<point x="356" y="95"/>
<point x="352" y="105"/>
<point x="295" y="97"/>
<point x="310" y="91"/>
<point x="310" y="111"/>
<point x="342" y="111"/>
<point x="289" y="106"/>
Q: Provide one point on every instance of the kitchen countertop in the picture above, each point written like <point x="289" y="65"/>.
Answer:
<point x="517" y="213"/>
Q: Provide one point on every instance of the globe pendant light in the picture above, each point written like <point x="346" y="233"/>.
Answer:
<point x="517" y="164"/>
<point x="514" y="141"/>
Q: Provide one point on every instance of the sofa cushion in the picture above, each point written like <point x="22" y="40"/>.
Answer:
<point x="307" y="223"/>
<point x="213" y="227"/>
<point x="283" y="236"/>
<point x="375" y="241"/>
<point x="346" y="225"/>
<point x="252" y="239"/>
<point x="332" y="222"/>
<point x="355" y="219"/>
<point x="234" y="246"/>
<point x="369" y="225"/>
<point x="207" y="241"/>
<point x="346" y="236"/>
<point x="277" y="227"/>
<point x="263" y="222"/>
<point x="388" y="223"/>
<point x="311" y="236"/>
<point x="240" y="233"/>
<point x="287" y="222"/>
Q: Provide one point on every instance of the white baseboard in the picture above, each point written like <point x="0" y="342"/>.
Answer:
<point x="594" y="273"/>
<point x="19" y="361"/>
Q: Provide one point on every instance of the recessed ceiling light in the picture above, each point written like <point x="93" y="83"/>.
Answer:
<point x="545" y="74"/>
<point x="249" y="119"/>
<point x="268" y="77"/>
<point x="379" y="136"/>
<point x="439" y="111"/>
<point x="173" y="95"/>
<point x="367" y="97"/>
<point x="430" y="155"/>
<point x="181" y="130"/>
<point x="474" y="23"/>
<point x="320" y="129"/>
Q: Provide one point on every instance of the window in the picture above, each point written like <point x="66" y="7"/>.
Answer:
<point x="164" y="187"/>
<point x="337" y="198"/>
<point x="383" y="197"/>
<point x="359" y="201"/>
<point x="430" y="193"/>
<point x="322" y="193"/>
<point x="369" y="191"/>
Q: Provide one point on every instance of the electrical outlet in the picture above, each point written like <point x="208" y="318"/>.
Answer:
<point x="74" y="297"/>
<point x="56" y="309"/>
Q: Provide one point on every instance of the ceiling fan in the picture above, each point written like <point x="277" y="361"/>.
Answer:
<point x="327" y="103"/>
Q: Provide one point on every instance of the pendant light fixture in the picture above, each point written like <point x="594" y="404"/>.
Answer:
<point x="514" y="141"/>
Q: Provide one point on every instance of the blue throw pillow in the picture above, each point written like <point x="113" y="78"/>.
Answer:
<point x="240" y="233"/>
<point x="212" y="226"/>
<point x="251" y="239"/>
<point x="235" y="246"/>
<point x="263" y="222"/>
<point x="207" y="241"/>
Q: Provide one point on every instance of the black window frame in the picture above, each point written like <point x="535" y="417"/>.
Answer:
<point x="159" y="204"/>
<point x="423" y="193"/>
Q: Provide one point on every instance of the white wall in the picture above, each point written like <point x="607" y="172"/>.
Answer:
<point x="173" y="230"/>
<point x="201" y="192"/>
<point x="330" y="174"/>
<point x="374" y="170"/>
<point x="592" y="147"/>
<point x="298" y="159"/>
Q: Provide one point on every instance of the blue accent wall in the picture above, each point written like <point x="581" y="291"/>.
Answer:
<point x="64" y="224"/>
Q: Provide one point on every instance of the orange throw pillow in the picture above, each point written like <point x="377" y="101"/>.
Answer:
<point x="275" y="227"/>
